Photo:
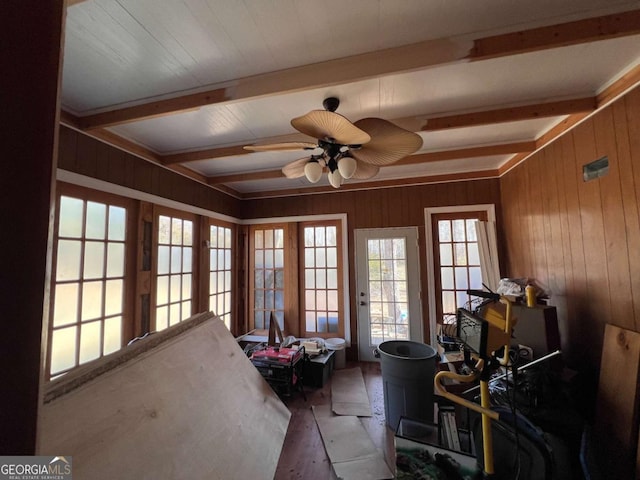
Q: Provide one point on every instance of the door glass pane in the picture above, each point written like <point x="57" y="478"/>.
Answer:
<point x="387" y="290"/>
<point x="71" y="212"/>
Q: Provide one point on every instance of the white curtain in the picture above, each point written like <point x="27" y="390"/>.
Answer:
<point x="488" y="246"/>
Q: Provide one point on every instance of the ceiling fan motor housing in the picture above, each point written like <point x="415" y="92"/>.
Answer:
<point x="331" y="104"/>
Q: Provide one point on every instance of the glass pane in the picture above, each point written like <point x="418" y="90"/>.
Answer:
<point x="459" y="231"/>
<point x="112" y="335"/>
<point x="65" y="308"/>
<point x="332" y="236"/>
<point x="162" y="290"/>
<point x="322" y="323"/>
<point x="399" y="249"/>
<point x="460" y="253"/>
<point x="68" y="261"/>
<point x="258" y="238"/>
<point x="163" y="260"/>
<point x="258" y="300"/>
<point x="321" y="300"/>
<point x="70" y="223"/>
<point x="186" y="259"/>
<point x="93" y="260"/>
<point x="446" y="276"/>
<point x="63" y="349"/>
<point x="309" y="240"/>
<point x="375" y="291"/>
<point x="279" y="238"/>
<point x="446" y="257"/>
<point x="113" y="297"/>
<point x="115" y="260"/>
<point x="96" y="218"/>
<point x="186" y="309"/>
<point x="117" y="223"/>
<point x="332" y="278"/>
<point x="162" y="318"/>
<point x="279" y="279"/>
<point x="176" y="259"/>
<point x="333" y="323"/>
<point x="471" y="230"/>
<point x="187" y="233"/>
<point x="175" y="314"/>
<point x="268" y="299"/>
<point x="462" y="283"/>
<point x="474" y="255"/>
<point x="400" y="270"/>
<point x="332" y="257"/>
<point x="279" y="300"/>
<point x="227" y="259"/>
<point x="462" y="299"/>
<point x="269" y="279"/>
<point x="258" y="276"/>
<point x="309" y="258"/>
<point x="221" y="237"/>
<point x="320" y="237"/>
<point x="475" y="278"/>
<point x="310" y="299"/>
<point x="258" y="319"/>
<point x="268" y="258"/>
<point x="220" y="254"/>
<point x="448" y="302"/>
<point x="164" y="229"/>
<point x="213" y="236"/>
<point x="227" y="238"/>
<point x="268" y="239"/>
<point x="259" y="259"/>
<point x="321" y="260"/>
<point x="174" y="289"/>
<point x="176" y="233"/>
<point x="186" y="287"/>
<point x="91" y="300"/>
<point x="332" y="300"/>
<point x="309" y="278"/>
<point x="90" y="341"/>
<point x="386" y="248"/>
<point x="373" y="249"/>
<point x="444" y="230"/>
<point x="310" y="321"/>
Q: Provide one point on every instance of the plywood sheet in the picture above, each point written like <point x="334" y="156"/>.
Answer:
<point x="349" y="393"/>
<point x="190" y="406"/>
<point x="617" y="402"/>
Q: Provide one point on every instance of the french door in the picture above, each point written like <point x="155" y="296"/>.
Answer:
<point x="388" y="287"/>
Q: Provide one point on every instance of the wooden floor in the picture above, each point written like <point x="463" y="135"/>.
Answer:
<point x="303" y="454"/>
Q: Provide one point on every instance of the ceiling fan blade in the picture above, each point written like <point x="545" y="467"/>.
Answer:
<point x="286" y="146"/>
<point x="365" y="171"/>
<point x="295" y="169"/>
<point x="389" y="143"/>
<point x="325" y="125"/>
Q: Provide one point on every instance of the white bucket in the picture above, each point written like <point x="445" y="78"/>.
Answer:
<point x="340" y="355"/>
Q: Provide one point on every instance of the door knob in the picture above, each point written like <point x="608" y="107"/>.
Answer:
<point x="362" y="303"/>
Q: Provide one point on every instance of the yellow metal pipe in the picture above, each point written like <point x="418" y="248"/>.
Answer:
<point x="487" y="438"/>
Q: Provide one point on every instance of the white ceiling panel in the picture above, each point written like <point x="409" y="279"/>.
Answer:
<point x="127" y="58"/>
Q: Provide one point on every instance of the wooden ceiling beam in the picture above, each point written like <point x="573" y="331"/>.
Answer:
<point x="554" y="36"/>
<point x="245" y="177"/>
<point x="510" y="114"/>
<point x="377" y="64"/>
<point x="206" y="154"/>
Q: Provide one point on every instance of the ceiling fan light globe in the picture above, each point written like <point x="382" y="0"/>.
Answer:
<point x="335" y="179"/>
<point x="313" y="171"/>
<point x="347" y="167"/>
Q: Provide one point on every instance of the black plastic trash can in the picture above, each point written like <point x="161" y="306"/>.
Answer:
<point x="408" y="369"/>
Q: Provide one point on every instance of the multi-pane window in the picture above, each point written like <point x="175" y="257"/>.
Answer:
<point x="321" y="279"/>
<point x="388" y="283"/>
<point x="457" y="262"/>
<point x="268" y="276"/>
<point x="220" y="272"/>
<point x="88" y="298"/>
<point x="174" y="270"/>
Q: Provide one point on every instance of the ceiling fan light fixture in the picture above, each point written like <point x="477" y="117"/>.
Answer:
<point x="347" y="167"/>
<point x="335" y="179"/>
<point x="313" y="171"/>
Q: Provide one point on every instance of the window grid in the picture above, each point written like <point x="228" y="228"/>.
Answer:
<point x="88" y="288"/>
<point x="388" y="301"/>
<point x="174" y="271"/>
<point x="220" y="255"/>
<point x="459" y="263"/>
<point x="321" y="274"/>
<point x="269" y="273"/>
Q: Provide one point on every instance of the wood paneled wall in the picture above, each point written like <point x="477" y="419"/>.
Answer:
<point x="84" y="155"/>
<point x="581" y="240"/>
<point x="382" y="208"/>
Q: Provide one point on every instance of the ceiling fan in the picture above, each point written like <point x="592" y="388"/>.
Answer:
<point x="347" y="150"/>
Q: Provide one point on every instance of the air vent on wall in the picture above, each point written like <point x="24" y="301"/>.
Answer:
<point x="596" y="169"/>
